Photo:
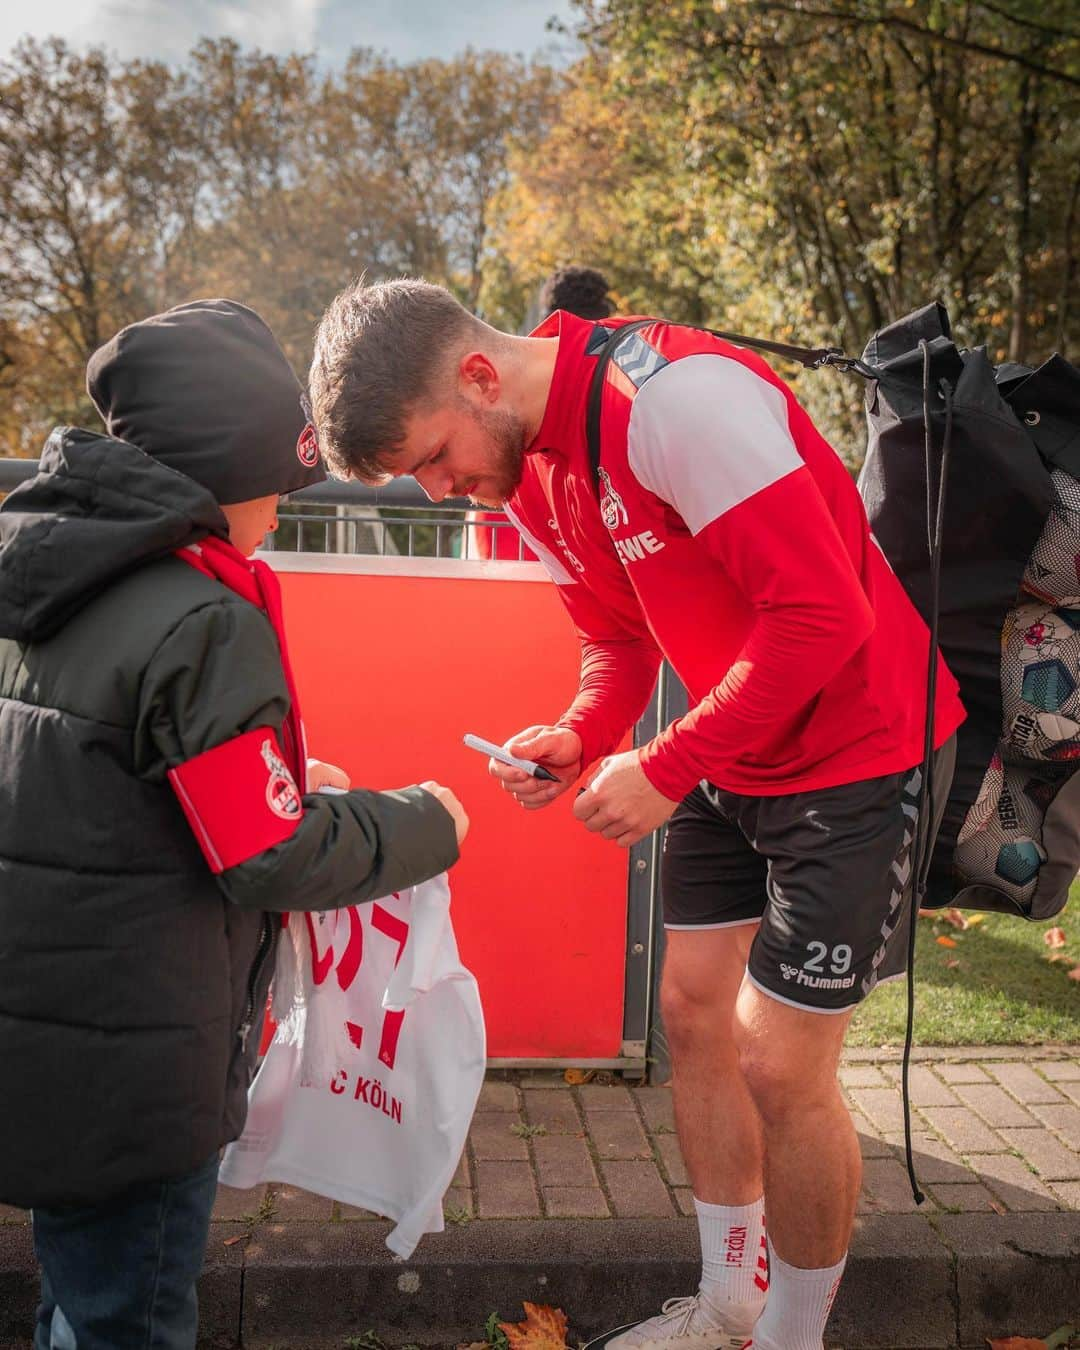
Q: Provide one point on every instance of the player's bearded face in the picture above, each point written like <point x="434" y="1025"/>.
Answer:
<point x="459" y="450"/>
<point x="504" y="433"/>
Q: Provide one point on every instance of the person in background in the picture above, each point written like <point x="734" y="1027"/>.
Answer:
<point x="578" y="290"/>
<point x="158" y="813"/>
<point x="722" y="531"/>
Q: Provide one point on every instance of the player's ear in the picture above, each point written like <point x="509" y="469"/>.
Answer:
<point x="479" y="378"/>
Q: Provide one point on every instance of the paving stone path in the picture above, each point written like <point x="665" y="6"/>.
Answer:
<point x="995" y="1130"/>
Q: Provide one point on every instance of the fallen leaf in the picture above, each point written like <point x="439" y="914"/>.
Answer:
<point x="231" y="1242"/>
<point x="575" y="1077"/>
<point x="1074" y="974"/>
<point x="1017" y="1343"/>
<point x="946" y="942"/>
<point x="1055" y="937"/>
<point x="1055" y="956"/>
<point x="954" y="917"/>
<point x="544" y="1328"/>
<point x="974" y="919"/>
<point x="954" y="964"/>
<point x="474" y="1345"/>
<point x="998" y="1207"/>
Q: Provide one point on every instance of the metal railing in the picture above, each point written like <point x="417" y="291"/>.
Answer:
<point x="15" y="471"/>
<point x="352" y="518"/>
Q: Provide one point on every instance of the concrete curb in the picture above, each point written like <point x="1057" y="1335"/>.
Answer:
<point x="914" y="1282"/>
<point x="1022" y="1271"/>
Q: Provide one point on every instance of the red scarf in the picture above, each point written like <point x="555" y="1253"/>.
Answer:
<point x="256" y="583"/>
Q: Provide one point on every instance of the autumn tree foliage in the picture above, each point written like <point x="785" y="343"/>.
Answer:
<point x="126" y="188"/>
<point x="809" y="170"/>
<point x="803" y="170"/>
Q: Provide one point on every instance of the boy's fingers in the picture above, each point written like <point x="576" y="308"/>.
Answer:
<point x="321" y="775"/>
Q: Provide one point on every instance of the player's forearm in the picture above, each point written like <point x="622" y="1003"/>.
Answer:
<point x="617" y="679"/>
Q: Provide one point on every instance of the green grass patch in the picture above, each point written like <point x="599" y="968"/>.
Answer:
<point x="994" y="987"/>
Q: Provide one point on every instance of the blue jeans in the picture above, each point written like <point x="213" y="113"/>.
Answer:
<point x="121" y="1276"/>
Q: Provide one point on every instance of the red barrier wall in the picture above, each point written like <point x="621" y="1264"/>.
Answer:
<point x="392" y="671"/>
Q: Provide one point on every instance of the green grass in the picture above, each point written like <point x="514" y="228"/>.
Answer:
<point x="1003" y="992"/>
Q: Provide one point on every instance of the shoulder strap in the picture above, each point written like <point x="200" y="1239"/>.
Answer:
<point x="813" y="358"/>
<point x="596" y="391"/>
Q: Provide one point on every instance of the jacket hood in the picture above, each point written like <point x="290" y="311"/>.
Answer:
<point x="206" y="389"/>
<point x="97" y="509"/>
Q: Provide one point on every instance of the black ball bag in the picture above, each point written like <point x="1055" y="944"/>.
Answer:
<point x="1009" y="603"/>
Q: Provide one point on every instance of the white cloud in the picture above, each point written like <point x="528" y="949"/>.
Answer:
<point x="39" y="20"/>
<point x="412" y="29"/>
<point x="406" y="29"/>
<point x="167" y="31"/>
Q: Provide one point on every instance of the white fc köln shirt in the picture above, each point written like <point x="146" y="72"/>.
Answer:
<point x="368" y="1088"/>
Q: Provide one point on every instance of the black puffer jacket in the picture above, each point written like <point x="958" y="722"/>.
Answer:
<point x="128" y="973"/>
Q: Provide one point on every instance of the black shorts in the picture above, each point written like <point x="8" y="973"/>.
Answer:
<point x="828" y="874"/>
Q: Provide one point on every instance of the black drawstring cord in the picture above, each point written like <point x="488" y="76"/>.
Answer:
<point x="935" y="523"/>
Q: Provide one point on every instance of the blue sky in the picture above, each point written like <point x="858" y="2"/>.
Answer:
<point x="406" y="29"/>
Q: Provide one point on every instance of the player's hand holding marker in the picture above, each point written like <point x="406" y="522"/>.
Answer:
<point x="556" y="750"/>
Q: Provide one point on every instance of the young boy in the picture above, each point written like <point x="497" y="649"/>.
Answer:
<point x="153" y="813"/>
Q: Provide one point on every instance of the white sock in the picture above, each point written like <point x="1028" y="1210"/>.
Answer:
<point x="734" y="1270"/>
<point x="798" y="1307"/>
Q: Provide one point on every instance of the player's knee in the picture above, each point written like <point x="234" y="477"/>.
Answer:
<point x="777" y="1083"/>
<point x="689" y="1014"/>
<point x="677" y="1010"/>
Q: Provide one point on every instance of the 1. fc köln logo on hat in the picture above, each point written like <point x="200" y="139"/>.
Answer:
<point x="307" y="447"/>
<point x="282" y="795"/>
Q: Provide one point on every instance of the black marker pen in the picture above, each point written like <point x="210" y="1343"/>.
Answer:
<point x="530" y="766"/>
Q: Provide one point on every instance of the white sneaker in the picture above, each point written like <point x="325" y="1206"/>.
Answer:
<point x="683" y="1324"/>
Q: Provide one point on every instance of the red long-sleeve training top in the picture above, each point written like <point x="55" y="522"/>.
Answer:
<point x="730" y="538"/>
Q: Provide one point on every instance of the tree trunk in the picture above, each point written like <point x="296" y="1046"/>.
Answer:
<point x="1021" y="280"/>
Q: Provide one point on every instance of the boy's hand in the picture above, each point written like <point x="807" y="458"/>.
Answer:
<point x="557" y="748"/>
<point x="446" y="798"/>
<point x="320" y="775"/>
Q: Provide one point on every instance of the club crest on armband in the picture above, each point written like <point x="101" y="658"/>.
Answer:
<point x="282" y="794"/>
<point x="612" y="509"/>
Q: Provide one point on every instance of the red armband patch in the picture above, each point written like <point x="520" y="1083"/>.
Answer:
<point x="239" y="798"/>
